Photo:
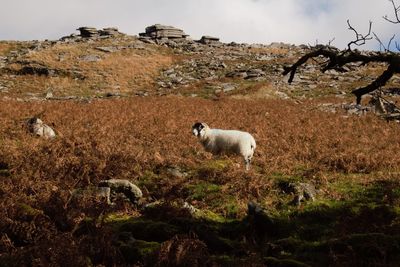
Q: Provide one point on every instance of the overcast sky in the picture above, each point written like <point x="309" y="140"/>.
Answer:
<point x="250" y="21"/>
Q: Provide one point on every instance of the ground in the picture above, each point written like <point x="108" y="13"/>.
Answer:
<point x="351" y="160"/>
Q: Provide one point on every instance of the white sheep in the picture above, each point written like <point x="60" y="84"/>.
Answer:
<point x="219" y="141"/>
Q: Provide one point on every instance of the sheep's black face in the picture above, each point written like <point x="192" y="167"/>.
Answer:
<point x="198" y="129"/>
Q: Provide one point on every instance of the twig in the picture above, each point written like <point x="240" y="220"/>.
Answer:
<point x="396" y="14"/>
<point x="360" y="38"/>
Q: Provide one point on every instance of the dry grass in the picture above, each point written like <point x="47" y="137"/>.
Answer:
<point x="6" y="47"/>
<point x="124" y="71"/>
<point x="122" y="139"/>
<point x="139" y="138"/>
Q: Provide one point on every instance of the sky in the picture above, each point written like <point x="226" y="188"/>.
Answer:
<point x="242" y="21"/>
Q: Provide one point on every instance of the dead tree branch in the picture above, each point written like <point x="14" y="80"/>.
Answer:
<point x="337" y="59"/>
<point x="360" y="38"/>
<point x="396" y="14"/>
<point x="382" y="45"/>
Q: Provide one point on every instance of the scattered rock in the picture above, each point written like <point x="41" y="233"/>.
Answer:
<point x="107" y="49"/>
<point x="130" y="190"/>
<point x="192" y="210"/>
<point x="176" y="172"/>
<point x="302" y="192"/>
<point x="49" y="95"/>
<point x="113" y="94"/>
<point x="91" y="58"/>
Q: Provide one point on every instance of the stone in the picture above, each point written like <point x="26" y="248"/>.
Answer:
<point x="91" y="58"/>
<point x="91" y="32"/>
<point x="303" y="191"/>
<point x="88" y="32"/>
<point x="111" y="31"/>
<point x="227" y="87"/>
<point x="130" y="190"/>
<point x="158" y="31"/>
<point x="208" y="40"/>
<point x="176" y="172"/>
<point x="107" y="49"/>
<point x="49" y="95"/>
<point x="254" y="73"/>
<point x="192" y="210"/>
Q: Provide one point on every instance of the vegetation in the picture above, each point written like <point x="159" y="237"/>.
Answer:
<point x="351" y="161"/>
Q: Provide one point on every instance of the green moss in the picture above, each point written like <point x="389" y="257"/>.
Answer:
<point x="146" y="229"/>
<point x="216" y="164"/>
<point x="209" y="216"/>
<point x="28" y="210"/>
<point x="138" y="250"/>
<point x="115" y="218"/>
<point x="203" y="190"/>
<point x="149" y="180"/>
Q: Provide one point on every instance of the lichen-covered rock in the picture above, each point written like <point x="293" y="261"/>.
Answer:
<point x="130" y="190"/>
<point x="302" y="191"/>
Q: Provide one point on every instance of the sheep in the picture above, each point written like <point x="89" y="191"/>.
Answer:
<point x="219" y="141"/>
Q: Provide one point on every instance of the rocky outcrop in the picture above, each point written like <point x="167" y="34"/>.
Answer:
<point x="91" y="32"/>
<point x="209" y="40"/>
<point x="158" y="31"/>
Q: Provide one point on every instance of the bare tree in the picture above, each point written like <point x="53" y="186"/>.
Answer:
<point x="337" y="59"/>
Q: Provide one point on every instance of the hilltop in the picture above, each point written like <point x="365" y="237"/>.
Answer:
<point x="122" y="108"/>
<point x="87" y="66"/>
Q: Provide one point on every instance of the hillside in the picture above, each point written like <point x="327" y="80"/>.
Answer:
<point x="122" y="108"/>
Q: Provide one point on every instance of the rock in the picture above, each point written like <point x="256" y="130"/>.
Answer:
<point x="254" y="73"/>
<point x="227" y="87"/>
<point x="130" y="190"/>
<point x="176" y="172"/>
<point x="91" y="32"/>
<point x="192" y="210"/>
<point x="36" y="69"/>
<point x="305" y="191"/>
<point x="102" y="193"/>
<point x="142" y="93"/>
<point x="383" y="106"/>
<point x="107" y="49"/>
<point x="111" y="31"/>
<point x="91" y="58"/>
<point x="49" y="95"/>
<point x="113" y="94"/>
<point x="355" y="109"/>
<point x="281" y="95"/>
<point x="88" y="32"/>
<point x="208" y="40"/>
<point x="37" y="127"/>
<point x="302" y="192"/>
<point x="158" y="31"/>
<point x="238" y="74"/>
